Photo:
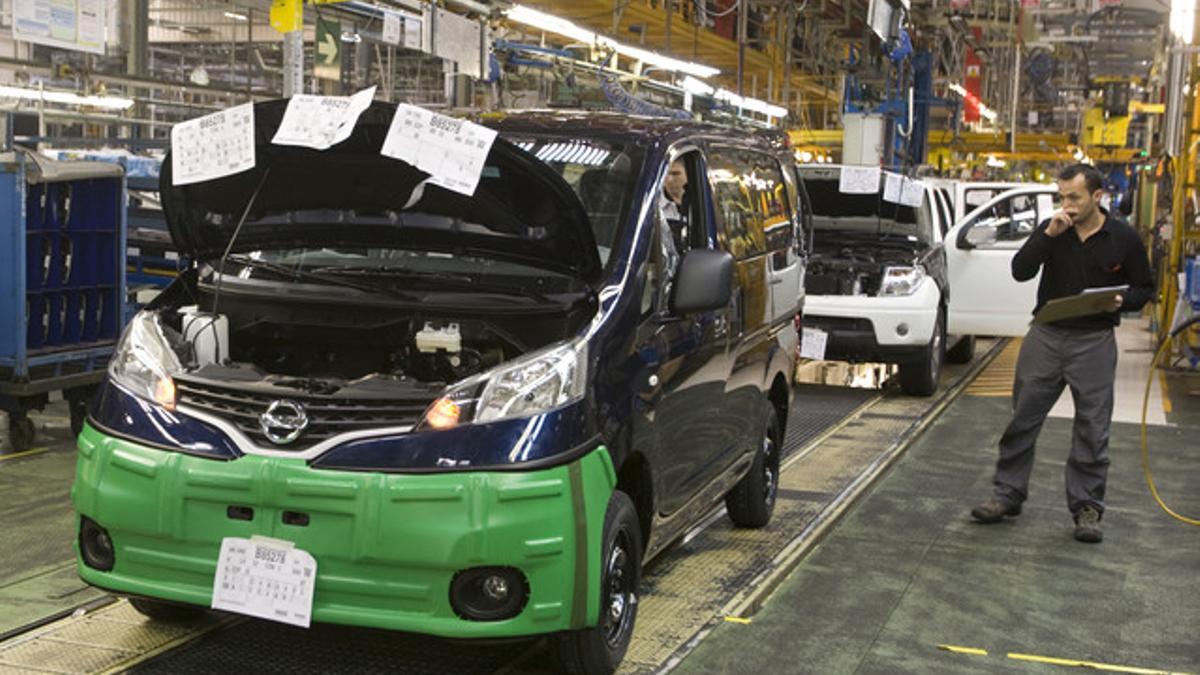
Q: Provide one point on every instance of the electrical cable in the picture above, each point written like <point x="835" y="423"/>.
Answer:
<point x="1166" y="342"/>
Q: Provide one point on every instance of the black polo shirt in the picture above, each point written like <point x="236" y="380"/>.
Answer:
<point x="1114" y="255"/>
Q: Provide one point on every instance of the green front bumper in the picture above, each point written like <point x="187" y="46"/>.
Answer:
<point x="386" y="545"/>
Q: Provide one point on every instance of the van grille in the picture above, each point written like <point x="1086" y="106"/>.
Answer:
<point x="328" y="416"/>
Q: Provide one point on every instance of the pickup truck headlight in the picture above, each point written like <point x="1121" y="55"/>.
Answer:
<point x="901" y="280"/>
<point x="533" y="384"/>
<point x="144" y="362"/>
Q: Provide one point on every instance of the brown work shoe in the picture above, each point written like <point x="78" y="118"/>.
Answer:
<point x="1087" y="525"/>
<point x="994" y="510"/>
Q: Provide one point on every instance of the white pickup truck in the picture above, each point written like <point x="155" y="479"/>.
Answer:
<point x="910" y="285"/>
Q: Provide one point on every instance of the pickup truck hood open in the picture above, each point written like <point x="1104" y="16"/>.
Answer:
<point x="352" y="196"/>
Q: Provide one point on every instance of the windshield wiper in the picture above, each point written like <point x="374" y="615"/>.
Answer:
<point x="434" y="278"/>
<point x="382" y="271"/>
<point x="297" y="274"/>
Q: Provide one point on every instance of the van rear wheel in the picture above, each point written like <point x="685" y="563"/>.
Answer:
<point x="598" y="650"/>
<point x="752" y="500"/>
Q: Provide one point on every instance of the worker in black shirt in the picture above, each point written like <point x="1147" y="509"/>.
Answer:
<point x="1079" y="247"/>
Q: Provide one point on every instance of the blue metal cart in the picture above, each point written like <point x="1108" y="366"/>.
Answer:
<point x="62" y="282"/>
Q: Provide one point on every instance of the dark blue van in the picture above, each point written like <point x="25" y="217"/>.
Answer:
<point x="467" y="416"/>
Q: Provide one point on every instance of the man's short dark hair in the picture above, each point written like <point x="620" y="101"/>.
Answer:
<point x="1091" y="175"/>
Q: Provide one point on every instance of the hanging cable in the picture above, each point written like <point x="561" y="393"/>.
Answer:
<point x="1166" y="343"/>
<point x="700" y="5"/>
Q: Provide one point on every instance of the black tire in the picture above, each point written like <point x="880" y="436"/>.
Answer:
<point x="920" y="377"/>
<point x="598" y="650"/>
<point x="78" y="409"/>
<point x="22" y="431"/>
<point x="963" y="351"/>
<point x="167" y="612"/>
<point x="751" y="501"/>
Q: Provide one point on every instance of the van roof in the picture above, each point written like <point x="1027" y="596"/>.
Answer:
<point x="644" y="128"/>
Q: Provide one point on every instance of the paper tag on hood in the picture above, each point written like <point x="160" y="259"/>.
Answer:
<point x="913" y="193"/>
<point x="216" y="145"/>
<point x="320" y="122"/>
<point x="859" y="180"/>
<point x="893" y="185"/>
<point x="450" y="150"/>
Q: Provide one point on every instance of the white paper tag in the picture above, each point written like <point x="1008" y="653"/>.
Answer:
<point x="859" y="180"/>
<point x="265" y="578"/>
<point x="812" y="343"/>
<point x="391" y="28"/>
<point x="320" y="122"/>
<point x="220" y="144"/>
<point x="451" y="151"/>
<point x="913" y="193"/>
<point x="412" y="34"/>
<point x="893" y="184"/>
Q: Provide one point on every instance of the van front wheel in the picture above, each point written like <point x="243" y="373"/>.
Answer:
<point x="167" y="612"/>
<point x="598" y="650"/>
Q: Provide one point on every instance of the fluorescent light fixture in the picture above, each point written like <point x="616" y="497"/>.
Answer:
<point x="67" y="98"/>
<point x="751" y="104"/>
<point x="696" y="87"/>
<point x="553" y="24"/>
<point x="237" y="17"/>
<point x="1183" y="19"/>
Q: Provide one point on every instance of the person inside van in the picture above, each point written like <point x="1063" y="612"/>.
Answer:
<point x="674" y="202"/>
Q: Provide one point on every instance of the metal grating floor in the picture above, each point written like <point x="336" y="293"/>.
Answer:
<point x="265" y="647"/>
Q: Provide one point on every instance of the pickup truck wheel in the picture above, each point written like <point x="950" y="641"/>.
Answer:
<point x="167" y="612"/>
<point x="963" y="351"/>
<point x="752" y="500"/>
<point x="920" y="377"/>
<point x="598" y="650"/>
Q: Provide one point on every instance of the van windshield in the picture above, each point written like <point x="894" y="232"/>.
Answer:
<point x="867" y="214"/>
<point x="602" y="173"/>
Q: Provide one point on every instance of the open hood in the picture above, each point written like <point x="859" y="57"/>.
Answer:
<point x="350" y="195"/>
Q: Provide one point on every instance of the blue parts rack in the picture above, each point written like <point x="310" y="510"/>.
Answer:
<point x="62" y="282"/>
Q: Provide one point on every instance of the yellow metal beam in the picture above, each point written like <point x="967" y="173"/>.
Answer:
<point x="971" y="141"/>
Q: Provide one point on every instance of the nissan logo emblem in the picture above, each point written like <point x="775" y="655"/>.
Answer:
<point x="283" y="422"/>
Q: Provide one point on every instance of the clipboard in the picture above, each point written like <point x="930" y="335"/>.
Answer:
<point x="1082" y="304"/>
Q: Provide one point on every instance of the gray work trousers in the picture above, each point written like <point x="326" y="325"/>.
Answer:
<point x="1051" y="358"/>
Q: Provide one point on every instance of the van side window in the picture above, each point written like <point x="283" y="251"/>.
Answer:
<point x="678" y="204"/>
<point x="749" y="195"/>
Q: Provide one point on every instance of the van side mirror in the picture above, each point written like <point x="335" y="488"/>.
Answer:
<point x="704" y="282"/>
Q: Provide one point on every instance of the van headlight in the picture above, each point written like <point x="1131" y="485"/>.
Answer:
<point x="901" y="280"/>
<point x="535" y="383"/>
<point x="144" y="362"/>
